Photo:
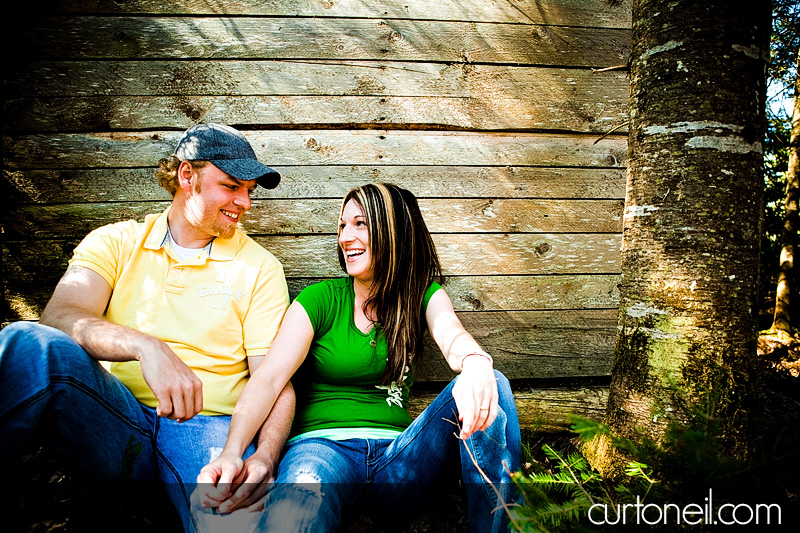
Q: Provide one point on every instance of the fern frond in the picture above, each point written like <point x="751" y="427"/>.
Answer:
<point x="634" y="469"/>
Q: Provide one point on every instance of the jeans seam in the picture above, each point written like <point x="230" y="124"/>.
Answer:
<point x="400" y="450"/>
<point x="169" y="466"/>
<point x="66" y="380"/>
<point x="101" y="400"/>
<point x="487" y="491"/>
<point x="27" y="402"/>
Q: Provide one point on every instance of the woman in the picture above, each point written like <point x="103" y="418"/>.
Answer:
<point x="352" y="342"/>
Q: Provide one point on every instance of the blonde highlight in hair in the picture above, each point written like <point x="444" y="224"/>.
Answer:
<point x="167" y="172"/>
<point x="404" y="264"/>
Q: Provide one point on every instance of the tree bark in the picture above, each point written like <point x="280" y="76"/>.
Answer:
<point x="784" y="321"/>
<point x="687" y="327"/>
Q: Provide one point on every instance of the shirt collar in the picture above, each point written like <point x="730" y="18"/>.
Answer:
<point x="221" y="249"/>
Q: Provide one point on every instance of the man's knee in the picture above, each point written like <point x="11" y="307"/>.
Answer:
<point x="37" y="346"/>
<point x="18" y="332"/>
<point x="30" y="338"/>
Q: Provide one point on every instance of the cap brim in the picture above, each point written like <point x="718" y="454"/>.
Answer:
<point x="249" y="169"/>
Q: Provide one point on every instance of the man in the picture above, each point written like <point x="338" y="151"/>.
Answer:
<point x="184" y="306"/>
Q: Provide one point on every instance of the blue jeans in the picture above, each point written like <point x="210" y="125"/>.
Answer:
<point x="49" y="383"/>
<point x="317" y="477"/>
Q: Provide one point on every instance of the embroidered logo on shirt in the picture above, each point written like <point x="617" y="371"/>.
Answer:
<point x="395" y="391"/>
<point x="221" y="291"/>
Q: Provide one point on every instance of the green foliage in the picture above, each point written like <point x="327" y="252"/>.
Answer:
<point x="557" y="497"/>
<point x="681" y="469"/>
<point x="776" y="162"/>
<point x="784" y="44"/>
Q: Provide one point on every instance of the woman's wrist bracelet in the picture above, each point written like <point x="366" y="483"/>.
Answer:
<point x="484" y="355"/>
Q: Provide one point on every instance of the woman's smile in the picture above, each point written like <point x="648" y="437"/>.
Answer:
<point x="354" y="242"/>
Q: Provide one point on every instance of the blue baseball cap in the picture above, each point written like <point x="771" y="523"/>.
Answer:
<point x="228" y="150"/>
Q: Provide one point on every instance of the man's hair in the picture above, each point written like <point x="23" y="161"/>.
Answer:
<point x="404" y="264"/>
<point x="167" y="172"/>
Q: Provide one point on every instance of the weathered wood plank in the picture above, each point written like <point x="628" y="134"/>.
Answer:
<point x="547" y="99"/>
<point x="449" y="215"/>
<point x="90" y="37"/>
<point x="562" y="12"/>
<point x="506" y="293"/>
<point x="469" y="255"/>
<point x="79" y="186"/>
<point x="460" y="255"/>
<point x="583" y="113"/>
<point x="542" y="409"/>
<point x="548" y="409"/>
<point x="324" y="147"/>
<point x="139" y="184"/>
<point x="499" y="293"/>
<point x="32" y="269"/>
<point x="320" y="216"/>
<point x="72" y="220"/>
<point x="528" y="216"/>
<point x="183" y="80"/>
<point x="561" y="342"/>
<point x="472" y="255"/>
<point x="235" y="78"/>
<point x="535" y="344"/>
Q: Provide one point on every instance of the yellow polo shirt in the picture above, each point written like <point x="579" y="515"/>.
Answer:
<point x="213" y="309"/>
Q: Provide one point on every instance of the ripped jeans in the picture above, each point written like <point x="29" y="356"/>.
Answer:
<point x="317" y="477"/>
<point x="49" y="383"/>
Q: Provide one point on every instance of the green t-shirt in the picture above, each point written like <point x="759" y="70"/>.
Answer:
<point x="337" y="386"/>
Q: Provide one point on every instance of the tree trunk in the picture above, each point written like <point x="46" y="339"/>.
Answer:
<point x="687" y="326"/>
<point x="783" y="322"/>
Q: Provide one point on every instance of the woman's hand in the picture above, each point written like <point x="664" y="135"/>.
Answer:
<point x="249" y="488"/>
<point x="217" y="480"/>
<point x="475" y="393"/>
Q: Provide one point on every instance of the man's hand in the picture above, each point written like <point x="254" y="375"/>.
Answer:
<point x="77" y="308"/>
<point x="178" y="390"/>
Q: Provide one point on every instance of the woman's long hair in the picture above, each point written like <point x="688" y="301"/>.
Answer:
<point x="404" y="263"/>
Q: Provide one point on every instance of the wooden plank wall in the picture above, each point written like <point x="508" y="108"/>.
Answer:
<point x="493" y="113"/>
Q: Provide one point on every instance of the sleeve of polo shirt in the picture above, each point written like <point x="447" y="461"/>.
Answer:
<point x="267" y="307"/>
<point x="100" y="251"/>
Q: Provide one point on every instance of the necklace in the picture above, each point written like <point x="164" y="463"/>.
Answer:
<point x="372" y="334"/>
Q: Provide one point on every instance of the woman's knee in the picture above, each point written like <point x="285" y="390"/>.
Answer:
<point x="304" y="506"/>
<point x="502" y="381"/>
<point x="321" y="461"/>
